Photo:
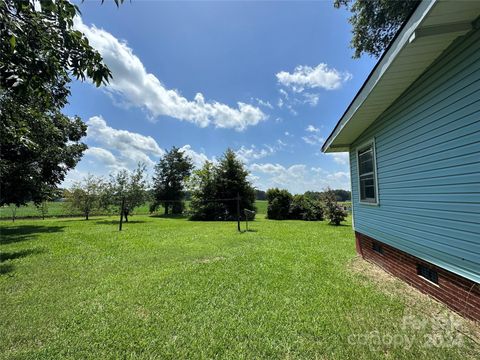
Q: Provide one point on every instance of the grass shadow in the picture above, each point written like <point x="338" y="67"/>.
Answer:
<point x="169" y="216"/>
<point x="116" y="222"/>
<point x="4" y="256"/>
<point x="14" y="234"/>
<point x="6" y="268"/>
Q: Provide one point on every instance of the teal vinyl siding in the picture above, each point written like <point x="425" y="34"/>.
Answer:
<point x="428" y="165"/>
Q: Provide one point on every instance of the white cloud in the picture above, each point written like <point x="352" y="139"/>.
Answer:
<point x="129" y="147"/>
<point x="298" y="178"/>
<point x="197" y="158"/>
<point x="246" y="154"/>
<point x="264" y="103"/>
<point x="307" y="77"/>
<point x="311" y="99"/>
<point x="139" y="88"/>
<point x="102" y="155"/>
<point x="342" y="158"/>
<point x="312" y="129"/>
<point x="314" y="137"/>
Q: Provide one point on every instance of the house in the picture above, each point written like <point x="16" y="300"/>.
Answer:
<point x="413" y="135"/>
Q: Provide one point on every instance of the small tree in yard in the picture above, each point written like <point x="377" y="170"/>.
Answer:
<point x="127" y="189"/>
<point x="42" y="209"/>
<point x="333" y="212"/>
<point x="171" y="174"/>
<point x="85" y="196"/>
<point x="279" y="202"/>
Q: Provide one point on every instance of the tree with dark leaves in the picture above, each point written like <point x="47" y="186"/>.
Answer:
<point x="40" y="53"/>
<point x="171" y="174"/>
<point x="375" y="22"/>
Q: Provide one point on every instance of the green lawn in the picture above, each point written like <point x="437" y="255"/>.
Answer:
<point x="171" y="288"/>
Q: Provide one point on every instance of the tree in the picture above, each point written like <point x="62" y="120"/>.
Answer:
<point x="169" y="180"/>
<point x="203" y="189"/>
<point x="42" y="209"/>
<point x="279" y="202"/>
<point x="216" y="188"/>
<point x="232" y="182"/>
<point x="375" y="22"/>
<point x="260" y="195"/>
<point x="333" y="212"/>
<point x="85" y="195"/>
<point x="341" y="195"/>
<point x="127" y="189"/>
<point x="40" y="52"/>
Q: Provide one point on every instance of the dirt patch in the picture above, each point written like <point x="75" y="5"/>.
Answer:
<point x="416" y="301"/>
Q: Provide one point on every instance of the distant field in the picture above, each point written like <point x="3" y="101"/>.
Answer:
<point x="169" y="288"/>
<point x="55" y="209"/>
<point x="59" y="209"/>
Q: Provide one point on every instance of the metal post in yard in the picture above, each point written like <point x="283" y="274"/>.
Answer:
<point x="121" y="214"/>
<point x="238" y="211"/>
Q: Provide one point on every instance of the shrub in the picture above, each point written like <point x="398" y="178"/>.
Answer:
<point x="303" y="208"/>
<point x="278" y="204"/>
<point x="333" y="212"/>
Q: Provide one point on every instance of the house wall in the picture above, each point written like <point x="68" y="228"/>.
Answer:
<point x="460" y="294"/>
<point x="428" y="165"/>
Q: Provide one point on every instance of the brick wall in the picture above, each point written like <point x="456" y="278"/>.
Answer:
<point x="458" y="293"/>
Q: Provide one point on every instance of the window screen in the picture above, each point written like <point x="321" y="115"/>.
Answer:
<point x="366" y="174"/>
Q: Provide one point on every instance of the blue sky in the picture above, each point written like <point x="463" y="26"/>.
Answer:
<point x="268" y="79"/>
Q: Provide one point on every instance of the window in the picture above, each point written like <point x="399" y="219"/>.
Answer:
<point x="367" y="177"/>
<point x="427" y="273"/>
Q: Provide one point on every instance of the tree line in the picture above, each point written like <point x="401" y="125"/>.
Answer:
<point x="310" y="206"/>
<point x="217" y="191"/>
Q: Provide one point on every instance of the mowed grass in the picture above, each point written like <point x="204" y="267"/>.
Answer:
<point x="174" y="289"/>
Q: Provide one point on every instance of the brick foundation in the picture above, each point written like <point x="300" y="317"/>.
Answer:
<point x="457" y="292"/>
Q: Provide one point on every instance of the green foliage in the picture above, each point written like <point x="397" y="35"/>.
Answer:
<point x="42" y="209"/>
<point x="340" y="194"/>
<point x="232" y="181"/>
<point x="40" y="52"/>
<point x="375" y="22"/>
<point x="260" y="195"/>
<point x="203" y="189"/>
<point x="86" y="195"/>
<point x="171" y="174"/>
<point x="304" y="208"/>
<point x="282" y="206"/>
<point x="278" y="204"/>
<point x="223" y="182"/>
<point x="126" y="188"/>
<point x="333" y="212"/>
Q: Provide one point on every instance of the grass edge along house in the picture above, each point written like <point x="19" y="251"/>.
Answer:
<point x="413" y="135"/>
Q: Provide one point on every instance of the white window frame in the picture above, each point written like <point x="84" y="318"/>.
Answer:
<point x="359" y="148"/>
